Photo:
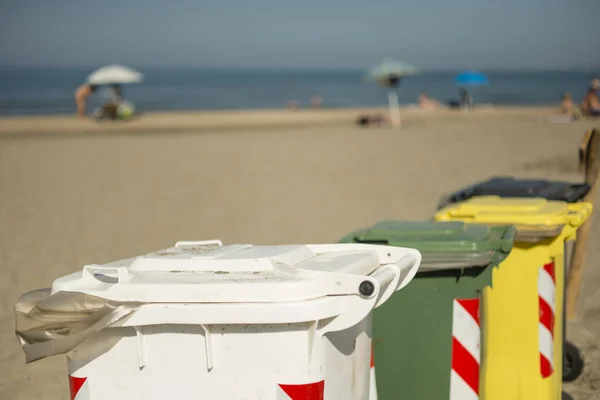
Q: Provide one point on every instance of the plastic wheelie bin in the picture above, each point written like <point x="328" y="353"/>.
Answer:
<point x="549" y="190"/>
<point x="525" y="315"/>
<point x="206" y="321"/>
<point x="428" y="339"/>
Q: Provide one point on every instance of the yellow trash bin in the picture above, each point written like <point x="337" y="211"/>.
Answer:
<point x="523" y="309"/>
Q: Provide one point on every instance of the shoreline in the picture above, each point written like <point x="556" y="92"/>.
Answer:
<point x="168" y="121"/>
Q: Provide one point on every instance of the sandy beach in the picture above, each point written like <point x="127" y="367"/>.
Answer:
<point x="211" y="121"/>
<point x="75" y="193"/>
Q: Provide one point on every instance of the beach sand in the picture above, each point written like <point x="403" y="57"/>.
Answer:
<point x="74" y="194"/>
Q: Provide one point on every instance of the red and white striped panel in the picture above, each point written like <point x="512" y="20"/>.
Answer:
<point x="547" y="308"/>
<point x="466" y="350"/>
<point x="79" y="388"/>
<point x="373" y="384"/>
<point x="305" y="391"/>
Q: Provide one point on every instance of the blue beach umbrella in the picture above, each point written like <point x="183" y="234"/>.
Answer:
<point x="389" y="74"/>
<point x="471" y="78"/>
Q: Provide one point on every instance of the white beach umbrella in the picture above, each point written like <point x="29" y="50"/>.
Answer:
<point x="389" y="74"/>
<point x="114" y="74"/>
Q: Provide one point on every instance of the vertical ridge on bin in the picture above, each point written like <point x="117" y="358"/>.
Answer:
<point x="466" y="350"/>
<point x="547" y="306"/>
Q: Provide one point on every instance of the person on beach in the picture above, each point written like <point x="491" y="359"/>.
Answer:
<point x="466" y="101"/>
<point x="316" y="101"/>
<point x="371" y="120"/>
<point x="110" y="109"/>
<point x="567" y="111"/>
<point x="428" y="103"/>
<point x="82" y="93"/>
<point x="591" y="103"/>
<point x="567" y="106"/>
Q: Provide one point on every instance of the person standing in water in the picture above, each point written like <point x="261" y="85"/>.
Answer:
<point x="81" y="95"/>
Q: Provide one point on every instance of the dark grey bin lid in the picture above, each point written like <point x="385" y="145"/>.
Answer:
<point x="511" y="187"/>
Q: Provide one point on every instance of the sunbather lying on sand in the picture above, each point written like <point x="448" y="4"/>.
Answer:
<point x="371" y="120"/>
<point x="428" y="103"/>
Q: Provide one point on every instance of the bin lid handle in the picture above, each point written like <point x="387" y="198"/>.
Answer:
<point x="92" y="274"/>
<point x="578" y="213"/>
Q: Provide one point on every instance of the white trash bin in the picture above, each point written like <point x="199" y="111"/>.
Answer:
<point x="206" y="321"/>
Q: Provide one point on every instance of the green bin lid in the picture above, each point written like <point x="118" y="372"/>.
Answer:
<point x="444" y="245"/>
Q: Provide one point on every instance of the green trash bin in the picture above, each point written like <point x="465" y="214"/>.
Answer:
<point x="428" y="338"/>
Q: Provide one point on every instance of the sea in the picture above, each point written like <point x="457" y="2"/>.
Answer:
<point x="41" y="91"/>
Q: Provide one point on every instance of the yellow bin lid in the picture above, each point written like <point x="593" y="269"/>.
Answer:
<point x="533" y="217"/>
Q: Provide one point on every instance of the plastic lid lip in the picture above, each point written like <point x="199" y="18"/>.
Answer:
<point x="446" y="247"/>
<point x="447" y="230"/>
<point x="440" y="246"/>
<point x="452" y="261"/>
<point x="467" y="251"/>
<point x="431" y="231"/>
<point x="531" y="232"/>
<point x="424" y="245"/>
<point x="449" y="237"/>
<point x="537" y="232"/>
<point x="423" y="227"/>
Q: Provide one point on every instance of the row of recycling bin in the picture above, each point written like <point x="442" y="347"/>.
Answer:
<point x="486" y="309"/>
<point x="480" y="313"/>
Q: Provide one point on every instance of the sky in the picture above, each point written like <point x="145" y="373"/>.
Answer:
<point x="432" y="34"/>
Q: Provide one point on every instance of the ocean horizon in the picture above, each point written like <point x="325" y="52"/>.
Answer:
<point x="49" y="90"/>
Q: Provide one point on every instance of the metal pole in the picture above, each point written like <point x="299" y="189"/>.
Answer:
<point x="394" y="108"/>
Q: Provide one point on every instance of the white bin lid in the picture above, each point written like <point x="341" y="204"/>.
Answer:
<point x="207" y="272"/>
